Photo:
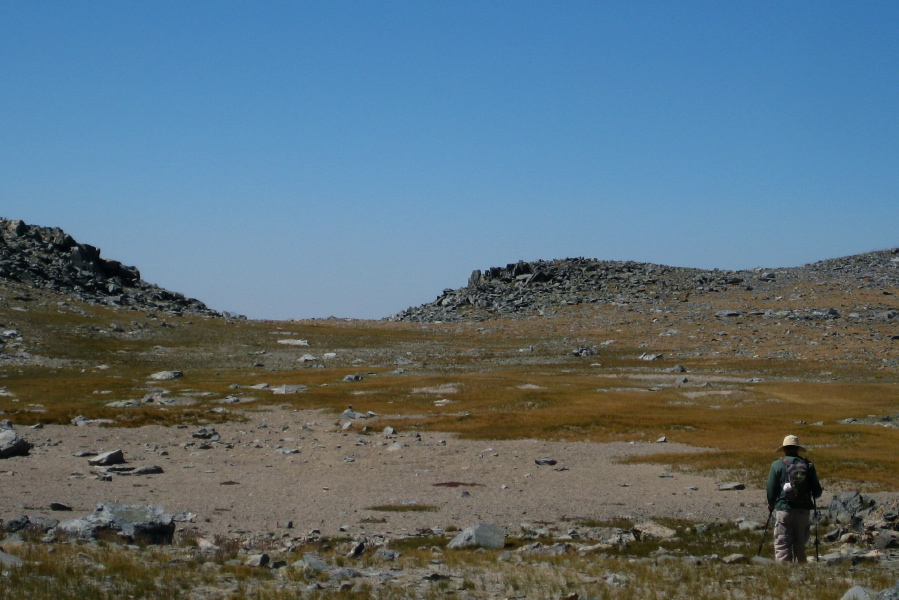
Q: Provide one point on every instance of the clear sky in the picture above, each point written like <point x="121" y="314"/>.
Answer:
<point x="353" y="158"/>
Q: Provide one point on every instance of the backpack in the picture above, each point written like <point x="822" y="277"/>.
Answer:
<point x="796" y="489"/>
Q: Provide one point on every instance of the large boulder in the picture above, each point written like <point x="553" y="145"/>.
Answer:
<point x="859" y="593"/>
<point x="148" y="524"/>
<point x="889" y="593"/>
<point x="481" y="535"/>
<point x="850" y="508"/>
<point x="10" y="442"/>
<point x="8" y="560"/>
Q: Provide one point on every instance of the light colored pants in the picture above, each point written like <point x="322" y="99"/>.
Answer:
<point x="791" y="533"/>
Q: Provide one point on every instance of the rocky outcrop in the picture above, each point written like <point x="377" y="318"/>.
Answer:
<point x="534" y="287"/>
<point x="49" y="258"/>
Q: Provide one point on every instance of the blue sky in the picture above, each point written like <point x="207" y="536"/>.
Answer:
<point x="307" y="159"/>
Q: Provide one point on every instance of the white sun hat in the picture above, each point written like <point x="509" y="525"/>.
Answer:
<point x="791" y="440"/>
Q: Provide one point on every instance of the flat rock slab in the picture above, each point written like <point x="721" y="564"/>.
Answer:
<point x="164" y="375"/>
<point x="649" y="530"/>
<point x="289" y="389"/>
<point x="113" y="457"/>
<point x="730" y="486"/>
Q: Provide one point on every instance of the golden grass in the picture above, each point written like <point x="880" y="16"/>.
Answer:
<point x="497" y="391"/>
<point x="101" y="571"/>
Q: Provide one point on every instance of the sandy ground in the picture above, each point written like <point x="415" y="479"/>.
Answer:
<point x="251" y="488"/>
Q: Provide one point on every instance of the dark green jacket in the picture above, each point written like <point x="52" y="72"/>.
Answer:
<point x="777" y="477"/>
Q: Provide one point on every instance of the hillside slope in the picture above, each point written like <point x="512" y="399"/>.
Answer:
<point x="49" y="258"/>
<point x="528" y="288"/>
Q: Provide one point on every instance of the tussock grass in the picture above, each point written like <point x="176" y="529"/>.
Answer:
<point x="644" y="569"/>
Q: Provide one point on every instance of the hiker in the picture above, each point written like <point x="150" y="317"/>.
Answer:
<point x="792" y="489"/>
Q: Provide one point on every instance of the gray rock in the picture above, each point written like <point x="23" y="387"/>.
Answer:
<point x="148" y="524"/>
<point x="886" y="539"/>
<point x="850" y="508"/>
<point x="357" y="550"/>
<point x="312" y="564"/>
<point x="8" y="560"/>
<point x="165" y="375"/>
<point x="113" y="457"/>
<point x="859" y="593"/>
<point x="349" y="413"/>
<point x="480" y="535"/>
<point x="12" y="445"/>
<point x="649" y="530"/>
<point x="750" y="526"/>
<point x="545" y="461"/>
<point x="289" y="389"/>
<point x="584" y="351"/>
<point x="729" y="486"/>
<point x="17" y="524"/>
<point x="257" y="560"/>
<point x="342" y="574"/>
<point x="386" y="554"/>
<point x="733" y="559"/>
<point x="832" y="558"/>
<point x="206" y="433"/>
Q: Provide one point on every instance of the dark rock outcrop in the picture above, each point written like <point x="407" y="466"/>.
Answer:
<point x="534" y="287"/>
<point x="49" y="258"/>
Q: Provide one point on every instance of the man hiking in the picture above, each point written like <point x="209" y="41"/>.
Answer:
<point x="792" y="488"/>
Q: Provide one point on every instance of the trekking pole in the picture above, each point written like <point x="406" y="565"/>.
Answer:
<point x="764" y="533"/>
<point x="815" y="504"/>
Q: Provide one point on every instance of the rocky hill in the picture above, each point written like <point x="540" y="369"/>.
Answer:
<point x="526" y="288"/>
<point x="49" y="258"/>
